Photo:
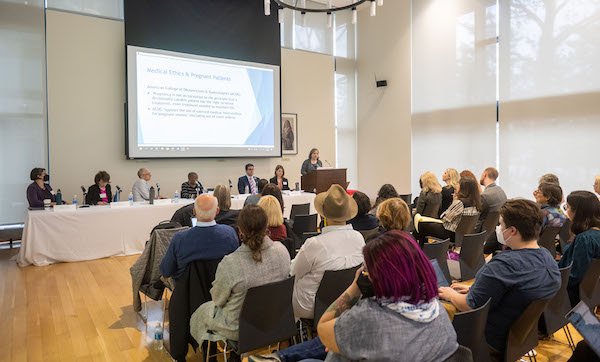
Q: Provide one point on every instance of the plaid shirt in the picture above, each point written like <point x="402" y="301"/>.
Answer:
<point x="452" y="216"/>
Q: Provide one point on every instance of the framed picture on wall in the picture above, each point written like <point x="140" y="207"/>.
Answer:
<point x="289" y="134"/>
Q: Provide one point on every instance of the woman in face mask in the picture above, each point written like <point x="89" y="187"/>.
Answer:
<point x="40" y="188"/>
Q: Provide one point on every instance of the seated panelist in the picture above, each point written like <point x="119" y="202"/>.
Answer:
<point x="248" y="182"/>
<point x="312" y="163"/>
<point x="39" y="190"/>
<point x="279" y="180"/>
<point x="100" y="192"/>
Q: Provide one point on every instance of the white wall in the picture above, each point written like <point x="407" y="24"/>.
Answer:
<point x="384" y="125"/>
<point x="86" y="92"/>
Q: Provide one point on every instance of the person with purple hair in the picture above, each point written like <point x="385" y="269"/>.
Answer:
<point x="398" y="318"/>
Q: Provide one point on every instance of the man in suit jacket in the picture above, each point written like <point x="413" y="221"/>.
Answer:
<point x="492" y="197"/>
<point x="248" y="180"/>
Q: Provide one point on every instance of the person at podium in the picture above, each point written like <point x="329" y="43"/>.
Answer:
<point x="312" y="163"/>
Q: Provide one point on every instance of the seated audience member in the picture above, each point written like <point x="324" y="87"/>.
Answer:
<point x="363" y="220"/>
<point x="467" y="173"/>
<point x="430" y="198"/>
<point x="99" y="193"/>
<point x="597" y="185"/>
<point x="386" y="191"/>
<point x="225" y="215"/>
<point x="207" y="240"/>
<point x="273" y="190"/>
<point x="248" y="184"/>
<point x="141" y="188"/>
<point x="183" y="216"/>
<point x="492" y="197"/>
<point x="549" y="196"/>
<point x="279" y="180"/>
<point x="39" y="189"/>
<point x="583" y="209"/>
<point x="451" y="178"/>
<point x="191" y="188"/>
<point x="467" y="201"/>
<point x="337" y="247"/>
<point x="256" y="262"/>
<point x="549" y="177"/>
<point x="253" y="199"/>
<point x="277" y="230"/>
<point x="393" y="214"/>
<point x="399" y="316"/>
<point x="513" y="278"/>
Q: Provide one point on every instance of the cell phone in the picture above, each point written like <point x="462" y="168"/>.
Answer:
<point x="194" y="221"/>
<point x="364" y="284"/>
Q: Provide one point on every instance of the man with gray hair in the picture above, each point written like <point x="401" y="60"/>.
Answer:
<point x="141" y="188"/>
<point x="207" y="240"/>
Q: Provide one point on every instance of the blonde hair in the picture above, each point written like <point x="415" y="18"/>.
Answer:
<point x="597" y="181"/>
<point x="430" y="183"/>
<point x="223" y="197"/>
<point x="273" y="210"/>
<point x="394" y="214"/>
<point x="454" y="177"/>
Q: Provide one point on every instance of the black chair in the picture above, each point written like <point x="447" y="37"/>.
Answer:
<point x="553" y="317"/>
<point x="589" y="290"/>
<point x="548" y="239"/>
<point x="490" y="223"/>
<point x="306" y="236"/>
<point x="465" y="226"/>
<point x="333" y="284"/>
<point x="438" y="250"/>
<point x="305" y="224"/>
<point x="564" y="236"/>
<point x="290" y="245"/>
<point x="462" y="354"/>
<point x="407" y="198"/>
<point x="470" y="331"/>
<point x="368" y="233"/>
<point x="299" y="209"/>
<point x="522" y="335"/>
<point x="470" y="259"/>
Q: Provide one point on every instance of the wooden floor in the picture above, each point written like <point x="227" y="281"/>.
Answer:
<point x="83" y="312"/>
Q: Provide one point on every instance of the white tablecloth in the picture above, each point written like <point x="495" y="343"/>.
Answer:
<point x="100" y="231"/>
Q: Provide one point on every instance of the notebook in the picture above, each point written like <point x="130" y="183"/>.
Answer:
<point x="587" y="324"/>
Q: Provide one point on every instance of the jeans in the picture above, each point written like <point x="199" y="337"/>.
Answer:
<point x="311" y="350"/>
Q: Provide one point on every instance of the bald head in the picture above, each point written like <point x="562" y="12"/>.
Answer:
<point x="206" y="208"/>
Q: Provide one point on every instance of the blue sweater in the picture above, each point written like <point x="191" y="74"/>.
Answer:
<point x="197" y="243"/>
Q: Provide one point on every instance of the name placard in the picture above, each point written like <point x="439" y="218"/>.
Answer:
<point x="163" y="202"/>
<point x="65" y="208"/>
<point x="119" y="204"/>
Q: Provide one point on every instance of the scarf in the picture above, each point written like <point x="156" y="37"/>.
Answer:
<point x="422" y="312"/>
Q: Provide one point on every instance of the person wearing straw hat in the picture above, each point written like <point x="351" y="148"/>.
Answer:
<point x="337" y="247"/>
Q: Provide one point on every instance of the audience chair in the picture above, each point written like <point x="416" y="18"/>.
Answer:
<point x="553" y="317"/>
<point x="465" y="226"/>
<point x="333" y="284"/>
<point x="548" y="239"/>
<point x="470" y="331"/>
<point x="490" y="223"/>
<point x="305" y="224"/>
<point x="267" y="317"/>
<point x="523" y="334"/>
<point x="290" y="245"/>
<point x="306" y="236"/>
<point x="462" y="354"/>
<point x="368" y="233"/>
<point x="438" y="250"/>
<point x="564" y="236"/>
<point x="299" y="209"/>
<point x="470" y="259"/>
<point x="589" y="288"/>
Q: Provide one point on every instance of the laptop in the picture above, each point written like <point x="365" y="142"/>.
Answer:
<point x="587" y="324"/>
<point x="441" y="278"/>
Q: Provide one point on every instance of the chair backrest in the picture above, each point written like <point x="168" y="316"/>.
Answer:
<point x="564" y="235"/>
<point x="333" y="284"/>
<point x="267" y="315"/>
<point x="462" y="354"/>
<point x="522" y="336"/>
<point x="465" y="226"/>
<point x="491" y="221"/>
<point x="559" y="306"/>
<point x="184" y="215"/>
<point x="299" y="209"/>
<point x="407" y="198"/>
<point x="470" y="329"/>
<point x="589" y="288"/>
<point x="304" y="224"/>
<point x="439" y="251"/>
<point x="290" y="245"/>
<point x="368" y="233"/>
<point x="306" y="236"/>
<point x="548" y="239"/>
<point x="471" y="255"/>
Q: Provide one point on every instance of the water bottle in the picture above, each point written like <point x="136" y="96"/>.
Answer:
<point x="59" y="197"/>
<point x="158" y="337"/>
<point x="176" y="196"/>
<point x="152" y="194"/>
<point x="75" y="200"/>
<point x="131" y="198"/>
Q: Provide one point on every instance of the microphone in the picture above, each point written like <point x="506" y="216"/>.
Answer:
<point x="158" y="190"/>
<point x="83" y="189"/>
<point x="119" y="189"/>
<point x="230" y="184"/>
<point x="116" y="198"/>
<point x="84" y="195"/>
<point x="197" y="188"/>
<point x="328" y="163"/>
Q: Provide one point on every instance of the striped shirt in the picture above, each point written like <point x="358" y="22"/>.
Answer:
<point x="452" y="216"/>
<point x="189" y="191"/>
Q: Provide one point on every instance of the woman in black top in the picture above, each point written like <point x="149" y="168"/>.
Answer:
<point x="312" y="163"/>
<point x="279" y="180"/>
<point x="363" y="220"/>
<point x="99" y="193"/>
<point x="451" y="178"/>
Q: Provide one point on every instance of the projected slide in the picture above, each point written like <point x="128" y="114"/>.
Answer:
<point x="183" y="105"/>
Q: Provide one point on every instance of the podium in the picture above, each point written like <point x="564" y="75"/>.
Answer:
<point x="321" y="179"/>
